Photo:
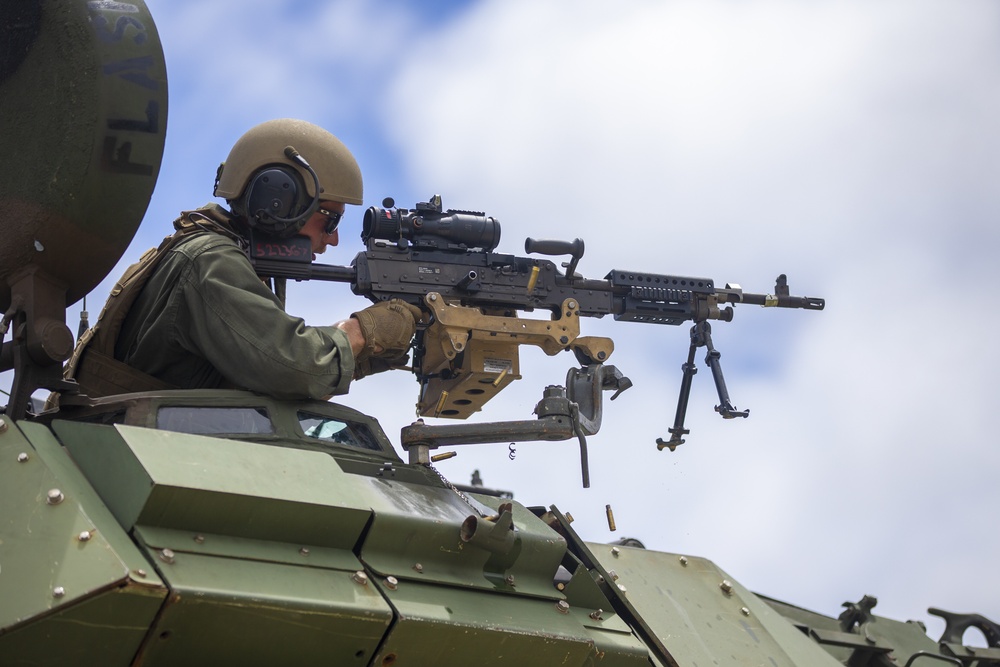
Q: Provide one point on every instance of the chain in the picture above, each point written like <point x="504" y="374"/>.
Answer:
<point x="468" y="501"/>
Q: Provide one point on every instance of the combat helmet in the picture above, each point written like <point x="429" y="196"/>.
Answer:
<point x="278" y="171"/>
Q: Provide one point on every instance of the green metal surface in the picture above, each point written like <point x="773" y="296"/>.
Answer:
<point x="685" y="602"/>
<point x="452" y="626"/>
<point x="218" y="486"/>
<point x="902" y="638"/>
<point x="83" y="96"/>
<point x="457" y="602"/>
<point x="67" y="569"/>
<point x="226" y="546"/>
<point x="225" y="611"/>
<point x="105" y="629"/>
<point x="421" y="525"/>
<point x="611" y="633"/>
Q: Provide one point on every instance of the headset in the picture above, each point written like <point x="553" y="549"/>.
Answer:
<point x="276" y="200"/>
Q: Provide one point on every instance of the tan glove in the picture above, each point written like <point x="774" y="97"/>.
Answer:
<point x="388" y="327"/>
<point x="371" y="365"/>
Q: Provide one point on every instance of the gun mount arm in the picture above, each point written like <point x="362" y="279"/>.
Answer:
<point x="559" y="417"/>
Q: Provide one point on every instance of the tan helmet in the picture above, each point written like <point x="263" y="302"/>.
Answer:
<point x="273" y="187"/>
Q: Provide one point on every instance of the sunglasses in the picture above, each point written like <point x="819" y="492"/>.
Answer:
<point x="332" y="220"/>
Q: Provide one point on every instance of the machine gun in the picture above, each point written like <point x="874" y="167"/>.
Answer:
<point x="444" y="262"/>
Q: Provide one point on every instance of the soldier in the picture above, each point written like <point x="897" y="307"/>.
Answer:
<point x="193" y="313"/>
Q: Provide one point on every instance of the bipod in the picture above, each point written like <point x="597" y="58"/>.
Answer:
<point x="701" y="336"/>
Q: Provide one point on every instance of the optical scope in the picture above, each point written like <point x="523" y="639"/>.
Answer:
<point x="427" y="225"/>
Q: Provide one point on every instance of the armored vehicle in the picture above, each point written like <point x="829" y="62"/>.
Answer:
<point x="215" y="527"/>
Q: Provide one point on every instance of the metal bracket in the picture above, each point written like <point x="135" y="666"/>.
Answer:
<point x="40" y="341"/>
<point x="955" y="627"/>
<point x="469" y="356"/>
<point x="454" y="324"/>
<point x="584" y="386"/>
<point x="559" y="418"/>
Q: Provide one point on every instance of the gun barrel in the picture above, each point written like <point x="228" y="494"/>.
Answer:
<point x="272" y="268"/>
<point x="779" y="301"/>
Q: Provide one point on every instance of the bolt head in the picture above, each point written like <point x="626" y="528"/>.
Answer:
<point x="622" y="588"/>
<point x="391" y="583"/>
<point x="140" y="573"/>
<point x="744" y="611"/>
<point x="510" y="580"/>
<point x="200" y="539"/>
<point x="562" y="607"/>
<point x="360" y="577"/>
<point x="3" y="425"/>
<point x="304" y="551"/>
<point x="22" y="457"/>
<point x="683" y="560"/>
<point x="597" y="614"/>
<point x="167" y="555"/>
<point x="418" y="567"/>
<point x="726" y="586"/>
<point x="58" y="592"/>
<point x="615" y="551"/>
<point x="54" y="497"/>
<point x="85" y="536"/>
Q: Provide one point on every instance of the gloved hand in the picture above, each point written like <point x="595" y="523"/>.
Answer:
<point x="388" y="327"/>
<point x="371" y="365"/>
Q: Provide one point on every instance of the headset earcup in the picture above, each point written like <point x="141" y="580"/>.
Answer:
<point x="272" y="193"/>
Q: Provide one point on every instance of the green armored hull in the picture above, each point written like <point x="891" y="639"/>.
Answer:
<point x="290" y="533"/>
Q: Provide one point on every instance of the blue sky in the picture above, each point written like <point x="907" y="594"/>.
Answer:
<point x="852" y="145"/>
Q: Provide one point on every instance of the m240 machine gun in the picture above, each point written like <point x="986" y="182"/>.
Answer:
<point x="444" y="261"/>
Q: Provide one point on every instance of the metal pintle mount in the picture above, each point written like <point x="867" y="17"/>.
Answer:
<point x="560" y="417"/>
<point x="471" y="356"/>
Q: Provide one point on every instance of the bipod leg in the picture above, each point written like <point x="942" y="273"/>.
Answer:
<point x="725" y="406"/>
<point x="689" y="370"/>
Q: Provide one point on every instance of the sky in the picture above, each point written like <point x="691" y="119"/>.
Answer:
<point x="852" y="145"/>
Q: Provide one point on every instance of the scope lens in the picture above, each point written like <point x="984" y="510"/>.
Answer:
<point x="380" y="223"/>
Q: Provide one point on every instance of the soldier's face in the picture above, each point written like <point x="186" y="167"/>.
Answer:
<point x="316" y="227"/>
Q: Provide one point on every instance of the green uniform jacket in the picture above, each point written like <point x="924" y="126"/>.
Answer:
<point x="204" y="320"/>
